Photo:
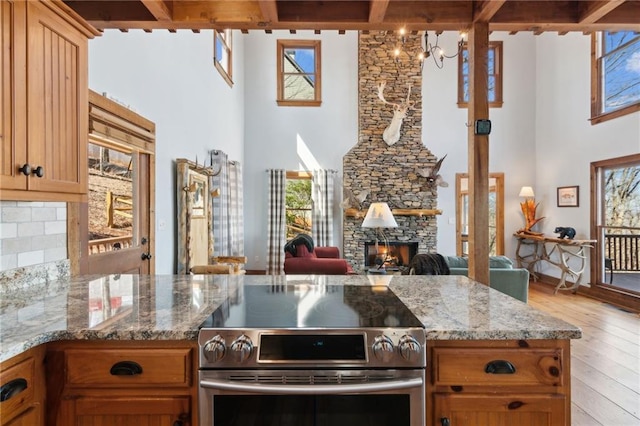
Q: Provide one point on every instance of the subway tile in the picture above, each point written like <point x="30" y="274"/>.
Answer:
<point x="8" y="261"/>
<point x="30" y="229"/>
<point x="16" y="245"/>
<point x="55" y="227"/>
<point x="16" y="214"/>
<point x="44" y="213"/>
<point x="61" y="213"/>
<point x="8" y="230"/>
<point x="55" y="254"/>
<point x="30" y="258"/>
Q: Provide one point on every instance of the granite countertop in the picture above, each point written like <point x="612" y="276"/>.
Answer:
<point x="172" y="307"/>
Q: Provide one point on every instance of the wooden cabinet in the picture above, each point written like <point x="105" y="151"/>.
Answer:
<point x="44" y="124"/>
<point x="22" y="388"/>
<point x="484" y="383"/>
<point x="122" y="383"/>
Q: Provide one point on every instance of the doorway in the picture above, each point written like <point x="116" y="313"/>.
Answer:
<point x="615" y="218"/>
<point x="116" y="224"/>
<point x="496" y="214"/>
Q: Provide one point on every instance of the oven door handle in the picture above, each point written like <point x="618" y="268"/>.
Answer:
<point x="312" y="389"/>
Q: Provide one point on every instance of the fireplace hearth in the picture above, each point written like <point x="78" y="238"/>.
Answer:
<point x="400" y="254"/>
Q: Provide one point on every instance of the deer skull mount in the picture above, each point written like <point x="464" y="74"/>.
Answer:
<point x="391" y="134"/>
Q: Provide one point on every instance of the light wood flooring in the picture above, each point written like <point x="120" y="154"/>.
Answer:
<point x="605" y="363"/>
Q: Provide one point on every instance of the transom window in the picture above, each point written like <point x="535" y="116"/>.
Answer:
<point x="494" y="64"/>
<point x="298" y="73"/>
<point x="222" y="43"/>
<point x="615" y="74"/>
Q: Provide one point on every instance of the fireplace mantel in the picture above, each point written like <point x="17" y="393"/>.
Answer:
<point x="396" y="212"/>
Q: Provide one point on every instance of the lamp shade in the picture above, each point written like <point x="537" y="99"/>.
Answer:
<point x="527" y="192"/>
<point x="379" y="216"/>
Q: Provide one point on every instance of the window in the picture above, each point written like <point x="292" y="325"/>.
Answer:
<point x="298" y="203"/>
<point x="222" y="53"/>
<point x="615" y="74"/>
<point x="299" y="73"/>
<point x="494" y="64"/>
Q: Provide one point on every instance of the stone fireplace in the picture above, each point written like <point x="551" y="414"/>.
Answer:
<point x="398" y="256"/>
<point x="389" y="172"/>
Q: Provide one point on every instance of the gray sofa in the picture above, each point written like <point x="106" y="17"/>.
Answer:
<point x="502" y="275"/>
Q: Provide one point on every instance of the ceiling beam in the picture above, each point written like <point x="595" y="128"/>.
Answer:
<point x="484" y="11"/>
<point x="377" y="10"/>
<point x="269" y="10"/>
<point x="596" y="10"/>
<point x="159" y="9"/>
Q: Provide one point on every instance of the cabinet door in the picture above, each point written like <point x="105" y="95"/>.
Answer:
<point x="128" y="411"/>
<point x="12" y="94"/>
<point x="521" y="410"/>
<point x="57" y="95"/>
<point x="31" y="417"/>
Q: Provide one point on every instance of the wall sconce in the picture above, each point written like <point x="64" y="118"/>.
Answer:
<point x="528" y="207"/>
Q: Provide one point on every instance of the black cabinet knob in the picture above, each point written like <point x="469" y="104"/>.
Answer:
<point x="38" y="171"/>
<point x="444" y="421"/>
<point x="146" y="256"/>
<point x="25" y="170"/>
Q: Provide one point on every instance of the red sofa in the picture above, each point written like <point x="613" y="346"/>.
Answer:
<point x="321" y="261"/>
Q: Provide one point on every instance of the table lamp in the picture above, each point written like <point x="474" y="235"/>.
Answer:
<point x="379" y="216"/>
<point x="528" y="207"/>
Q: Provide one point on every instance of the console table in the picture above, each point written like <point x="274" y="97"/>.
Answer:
<point x="542" y="248"/>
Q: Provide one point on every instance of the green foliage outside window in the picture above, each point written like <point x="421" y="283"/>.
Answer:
<point x="298" y="207"/>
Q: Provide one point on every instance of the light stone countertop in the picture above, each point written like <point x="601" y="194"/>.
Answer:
<point x="172" y="307"/>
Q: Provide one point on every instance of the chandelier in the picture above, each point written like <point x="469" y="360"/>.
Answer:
<point x="427" y="49"/>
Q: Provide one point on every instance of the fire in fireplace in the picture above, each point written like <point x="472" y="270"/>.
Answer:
<point x="400" y="253"/>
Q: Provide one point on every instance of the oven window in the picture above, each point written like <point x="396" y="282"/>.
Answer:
<point x="311" y="410"/>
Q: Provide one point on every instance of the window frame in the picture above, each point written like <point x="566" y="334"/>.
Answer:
<point x="226" y="38"/>
<point x="597" y="116"/>
<point x="497" y="47"/>
<point x="282" y="45"/>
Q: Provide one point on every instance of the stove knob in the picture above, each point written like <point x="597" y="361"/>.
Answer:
<point x="409" y="348"/>
<point x="214" y="349"/>
<point x="241" y="348"/>
<point x="382" y="348"/>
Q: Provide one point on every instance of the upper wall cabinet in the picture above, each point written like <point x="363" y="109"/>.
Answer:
<point x="44" y="117"/>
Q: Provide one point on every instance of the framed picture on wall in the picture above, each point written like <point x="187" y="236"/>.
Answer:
<point x="568" y="196"/>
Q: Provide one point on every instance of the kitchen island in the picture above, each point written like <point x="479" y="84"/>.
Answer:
<point x="82" y="319"/>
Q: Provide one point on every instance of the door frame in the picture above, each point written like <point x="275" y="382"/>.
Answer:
<point x="113" y="125"/>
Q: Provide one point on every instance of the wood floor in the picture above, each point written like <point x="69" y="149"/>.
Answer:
<point x="605" y="363"/>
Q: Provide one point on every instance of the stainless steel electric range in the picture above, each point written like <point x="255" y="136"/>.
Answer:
<point x="310" y="354"/>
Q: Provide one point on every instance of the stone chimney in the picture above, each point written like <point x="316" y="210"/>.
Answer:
<point x="389" y="172"/>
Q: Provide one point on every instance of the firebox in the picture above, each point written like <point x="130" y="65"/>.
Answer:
<point x="400" y="253"/>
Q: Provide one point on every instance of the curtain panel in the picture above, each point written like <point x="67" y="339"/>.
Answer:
<point x="276" y="221"/>
<point x="227" y="214"/>
<point x="322" y="214"/>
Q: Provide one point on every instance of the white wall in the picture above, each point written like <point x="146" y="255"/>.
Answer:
<point x="170" y="79"/>
<point x="295" y="138"/>
<point x="566" y="143"/>
<point x="512" y="139"/>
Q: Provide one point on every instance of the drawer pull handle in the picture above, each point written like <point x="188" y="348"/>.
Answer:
<point x="500" y="366"/>
<point x="444" y="421"/>
<point x="11" y="389"/>
<point x="126" y="368"/>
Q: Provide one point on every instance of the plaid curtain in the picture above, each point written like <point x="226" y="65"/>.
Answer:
<point x="277" y="222"/>
<point x="322" y="216"/>
<point x="236" y="206"/>
<point x="220" y="204"/>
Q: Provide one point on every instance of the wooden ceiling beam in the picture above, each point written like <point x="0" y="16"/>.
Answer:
<point x="269" y="9"/>
<point x="377" y="10"/>
<point x="593" y="11"/>
<point x="484" y="11"/>
<point x="159" y="9"/>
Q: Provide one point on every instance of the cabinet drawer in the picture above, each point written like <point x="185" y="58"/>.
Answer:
<point x="127" y="367"/>
<point x="482" y="367"/>
<point x="20" y="379"/>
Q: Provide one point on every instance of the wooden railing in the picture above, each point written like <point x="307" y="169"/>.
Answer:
<point x="110" y="244"/>
<point x="114" y="205"/>
<point x="623" y="250"/>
